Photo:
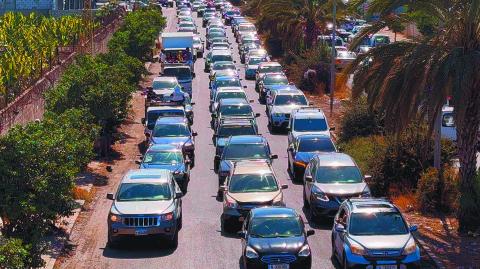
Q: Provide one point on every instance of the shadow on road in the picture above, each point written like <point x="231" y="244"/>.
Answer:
<point x="138" y="249"/>
<point x="320" y="223"/>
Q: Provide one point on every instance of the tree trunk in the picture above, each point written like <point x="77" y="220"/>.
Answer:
<point x="310" y="34"/>
<point x="467" y="128"/>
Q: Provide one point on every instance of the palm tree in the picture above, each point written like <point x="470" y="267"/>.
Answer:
<point x="404" y="78"/>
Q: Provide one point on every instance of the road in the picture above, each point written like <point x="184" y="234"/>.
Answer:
<point x="201" y="244"/>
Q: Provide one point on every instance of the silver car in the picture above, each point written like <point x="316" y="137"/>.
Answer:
<point x="147" y="203"/>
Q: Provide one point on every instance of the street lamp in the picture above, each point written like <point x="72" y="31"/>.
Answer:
<point x="332" y="65"/>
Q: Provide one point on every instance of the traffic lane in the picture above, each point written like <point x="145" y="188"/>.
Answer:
<point x="321" y="241"/>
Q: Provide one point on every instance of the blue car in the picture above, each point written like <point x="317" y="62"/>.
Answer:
<point x="171" y="158"/>
<point x="303" y="148"/>
<point x="372" y="233"/>
<point x="224" y="82"/>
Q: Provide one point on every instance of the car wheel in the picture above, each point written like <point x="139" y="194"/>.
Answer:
<point x="305" y="201"/>
<point x="311" y="214"/>
<point x="173" y="243"/>
<point x="111" y="241"/>
<point x="297" y="176"/>
<point x="345" y="263"/>
<point x="180" y="222"/>
<point x="192" y="161"/>
<point x="226" y="226"/>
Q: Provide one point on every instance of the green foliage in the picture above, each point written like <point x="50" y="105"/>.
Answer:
<point x="131" y="68"/>
<point x="427" y="195"/>
<point x="13" y="254"/>
<point x="425" y="22"/>
<point x="364" y="149"/>
<point x="359" y="120"/>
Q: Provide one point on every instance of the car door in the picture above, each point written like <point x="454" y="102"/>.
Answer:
<point x="245" y="227"/>
<point x="339" y="237"/>
<point x="291" y="151"/>
<point x="310" y="171"/>
<point x="290" y="128"/>
<point x="176" y="202"/>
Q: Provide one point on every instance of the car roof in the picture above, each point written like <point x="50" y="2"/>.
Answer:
<point x="308" y="113"/>
<point x="334" y="159"/>
<point x="265" y="212"/>
<point x="368" y="205"/>
<point x="247" y="139"/>
<point x="234" y="101"/>
<point x="246" y="24"/>
<point x="162" y="108"/>
<point x="165" y="79"/>
<point x="270" y="64"/>
<point x="147" y="176"/>
<point x="230" y="89"/>
<point x="221" y="52"/>
<point x="252" y="167"/>
<point x="164" y="147"/>
<point x="223" y="63"/>
<point x="170" y="120"/>
<point x="226" y="74"/>
<point x="275" y="75"/>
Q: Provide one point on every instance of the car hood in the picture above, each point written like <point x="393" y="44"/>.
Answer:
<point x="141" y="207"/>
<point x="170" y="167"/>
<point x="171" y="140"/>
<point x="295" y="134"/>
<point x="304" y="156"/>
<point x="254" y="197"/>
<point x="284" y="109"/>
<point x="373" y="242"/>
<point x="342" y="189"/>
<point x="277" y="245"/>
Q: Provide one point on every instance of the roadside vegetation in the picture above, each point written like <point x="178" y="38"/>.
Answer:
<point x="39" y="162"/>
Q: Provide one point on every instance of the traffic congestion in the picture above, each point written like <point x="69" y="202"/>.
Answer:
<point x="287" y="197"/>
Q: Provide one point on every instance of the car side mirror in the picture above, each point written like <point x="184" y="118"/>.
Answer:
<point x="110" y="196"/>
<point x="251" y="101"/>
<point x="332" y="128"/>
<point x="367" y="177"/>
<point x="194" y="134"/>
<point x="192" y="103"/>
<point x="284" y="186"/>
<point x="257" y="115"/>
<point x="308" y="178"/>
<point x="178" y="195"/>
<point x="274" y="156"/>
<point x="244" y="86"/>
<point x="138" y="162"/>
<point x="339" y="228"/>
<point x="288" y="128"/>
<point x="188" y="161"/>
<point x="193" y="75"/>
<point x="310" y="232"/>
<point x="241" y="234"/>
<point x="413" y="228"/>
<point x="143" y="120"/>
<point x="217" y="157"/>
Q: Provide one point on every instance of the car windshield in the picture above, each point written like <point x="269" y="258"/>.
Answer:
<point x="164" y="84"/>
<point x="310" y="125"/>
<point x="377" y="223"/>
<point x="316" y="145"/>
<point x="252" y="183"/>
<point x="186" y="25"/>
<point x="143" y="192"/>
<point x="228" y="83"/>
<point x="216" y="34"/>
<point x="245" y="152"/>
<point x="154" y="115"/>
<point x="230" y="95"/>
<point x="223" y="67"/>
<point x="236" y="110"/>
<point x="226" y="58"/>
<point x="271" y="227"/>
<point x="271" y="69"/>
<point x="290" y="99"/>
<point x="170" y="130"/>
<point x="276" y="80"/>
<point x="338" y="174"/>
<point x="247" y="28"/>
<point x="220" y="46"/>
<point x="179" y="73"/>
<point x="163" y="157"/>
<point x="226" y="131"/>
<point x="255" y="61"/>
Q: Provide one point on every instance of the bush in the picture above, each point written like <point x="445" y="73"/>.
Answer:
<point x="428" y="191"/>
<point x="358" y="120"/>
<point x="13" y="254"/>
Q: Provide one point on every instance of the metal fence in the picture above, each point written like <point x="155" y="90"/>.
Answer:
<point x="29" y="106"/>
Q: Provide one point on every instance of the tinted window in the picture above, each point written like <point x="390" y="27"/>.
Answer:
<point x="272" y="69"/>
<point x="275" y="80"/>
<point x="170" y="130"/>
<point x="377" y="223"/>
<point x="256" y="60"/>
<point x="236" y="110"/>
<point x="143" y="192"/>
<point x="309" y="125"/>
<point x="245" y="152"/>
<point x="218" y="58"/>
<point x="230" y="95"/>
<point x="155" y="114"/>
<point x="223" y="67"/>
<point x="275" y="227"/>
<point x="163" y="157"/>
<point x="338" y="174"/>
<point x="316" y="145"/>
<point x="228" y="83"/>
<point x="252" y="183"/>
<point x="164" y="84"/>
<point x="290" y="100"/>
<point x="226" y="131"/>
<point x="180" y="73"/>
<point x="247" y="28"/>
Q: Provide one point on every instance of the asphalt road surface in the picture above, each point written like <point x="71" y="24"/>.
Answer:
<point x="201" y="243"/>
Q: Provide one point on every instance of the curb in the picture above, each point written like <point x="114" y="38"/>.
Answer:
<point x="438" y="264"/>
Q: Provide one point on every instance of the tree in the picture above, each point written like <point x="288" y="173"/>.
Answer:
<point x="404" y="78"/>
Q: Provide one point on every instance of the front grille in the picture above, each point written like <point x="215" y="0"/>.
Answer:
<point x="140" y="221"/>
<point x="279" y="258"/>
<point x="382" y="254"/>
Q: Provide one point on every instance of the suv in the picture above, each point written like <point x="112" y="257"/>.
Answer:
<point x="329" y="179"/>
<point x="241" y="148"/>
<point x="307" y="120"/>
<point x="153" y="113"/>
<point x="372" y="233"/>
<point x="147" y="203"/>
<point x="280" y="105"/>
<point x="250" y="184"/>
<point x="226" y="93"/>
<point x="168" y="157"/>
<point x="175" y="131"/>
<point x="270" y="80"/>
<point x="226" y="78"/>
<point x="252" y="65"/>
<point x="232" y="108"/>
<point x="232" y="127"/>
<point x="184" y="75"/>
<point x="265" y="68"/>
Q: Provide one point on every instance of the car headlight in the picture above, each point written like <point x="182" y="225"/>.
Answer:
<point x="115" y="218"/>
<point x="410" y="247"/>
<point x="356" y="248"/>
<point x="304" y="251"/>
<point x="319" y="194"/>
<point x="167" y="217"/>
<point x="251" y="253"/>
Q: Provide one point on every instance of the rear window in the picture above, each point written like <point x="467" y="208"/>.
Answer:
<point x="316" y="145"/>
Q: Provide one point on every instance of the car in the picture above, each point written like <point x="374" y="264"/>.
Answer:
<point x="222" y="39"/>
<point x="207" y="17"/>
<point x="303" y="148"/>
<point x="238" y="148"/>
<point x="217" y="56"/>
<point x="222" y="66"/>
<point x="198" y="46"/>
<point x="327" y="40"/>
<point x="175" y="131"/>
<point x="257" y="51"/>
<point x="214" y="34"/>
<point x="200" y="11"/>
<point x="147" y="203"/>
<point x="247" y="41"/>
<point x="378" y="40"/>
<point x="238" y="108"/>
<point x="184" y="75"/>
<point x="252" y="65"/>
<point x="307" y="120"/>
<point x="275" y="237"/>
<point x="226" y="93"/>
<point x="169" y="157"/>
<point x="363" y="49"/>
<point x="230" y="14"/>
<point x="236" y="21"/>
<point x="162" y="87"/>
<point x="250" y="184"/>
<point x="246" y="49"/>
<point x="153" y="113"/>
<point x="222" y="79"/>
<point x="232" y="127"/>
<point x="183" y="27"/>
<point x="264" y="68"/>
<point x="280" y="105"/>
<point x="344" y="58"/>
<point x="267" y="82"/>
<point x="329" y="179"/>
<point x="372" y="233"/>
<point x="244" y="27"/>
<point x="220" y="46"/>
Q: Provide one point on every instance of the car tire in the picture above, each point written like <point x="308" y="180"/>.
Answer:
<point x="297" y="177"/>
<point x="226" y="227"/>
<point x="192" y="161"/>
<point x="180" y="222"/>
<point x="173" y="243"/>
<point x="305" y="201"/>
<point x="112" y="242"/>
<point x="345" y="263"/>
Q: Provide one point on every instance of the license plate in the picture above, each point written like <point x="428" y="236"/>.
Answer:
<point x="386" y="266"/>
<point x="279" y="266"/>
<point x="140" y="232"/>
